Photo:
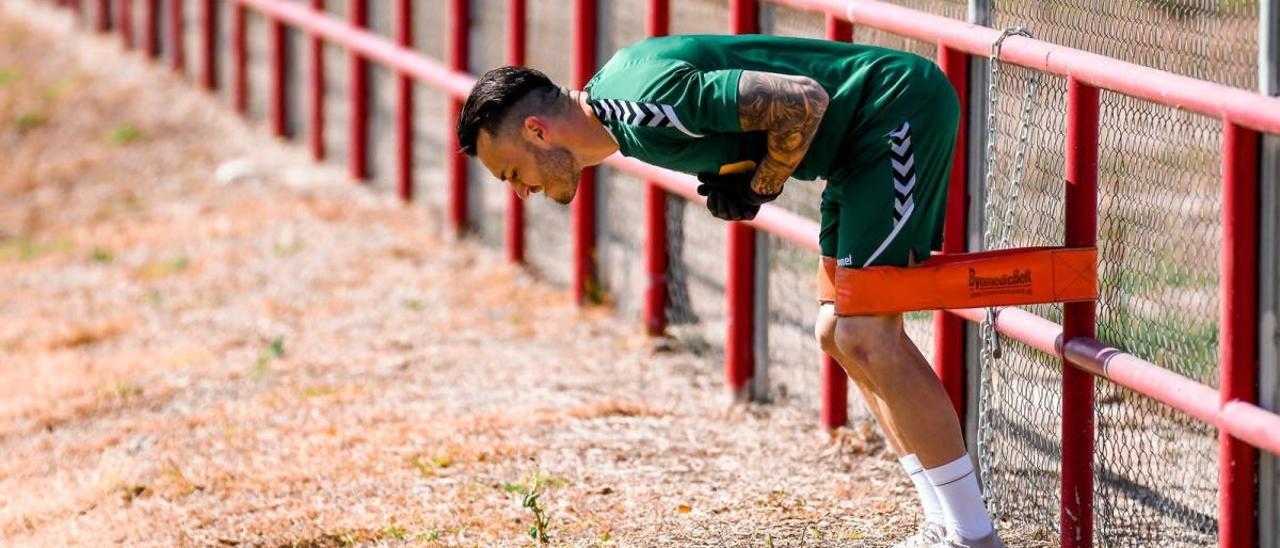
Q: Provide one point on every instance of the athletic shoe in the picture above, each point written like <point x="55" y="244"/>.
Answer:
<point x="953" y="540"/>
<point x="927" y="535"/>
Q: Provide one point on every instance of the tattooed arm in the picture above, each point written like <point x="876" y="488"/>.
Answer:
<point x="789" y="108"/>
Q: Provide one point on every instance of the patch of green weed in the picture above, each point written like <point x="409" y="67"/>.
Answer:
<point x="531" y="491"/>
<point x="24" y="248"/>
<point x="273" y="350"/>
<point x="161" y="269"/>
<point x="9" y="76"/>
<point x="395" y="532"/>
<point x="29" y="121"/>
<point x="123" y="135"/>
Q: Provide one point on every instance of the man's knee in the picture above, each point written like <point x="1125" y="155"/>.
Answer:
<point x="869" y="342"/>
<point x="825" y="329"/>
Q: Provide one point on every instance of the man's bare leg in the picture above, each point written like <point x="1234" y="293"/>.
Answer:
<point x="877" y="349"/>
<point x="825" y="331"/>
<point x="933" y="528"/>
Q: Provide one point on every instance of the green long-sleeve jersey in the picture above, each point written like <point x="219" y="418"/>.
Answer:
<point x="673" y="101"/>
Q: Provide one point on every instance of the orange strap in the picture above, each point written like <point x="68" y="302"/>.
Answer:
<point x="971" y="280"/>
<point x="827" y="279"/>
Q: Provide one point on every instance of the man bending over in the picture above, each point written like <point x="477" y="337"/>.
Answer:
<point x="879" y="125"/>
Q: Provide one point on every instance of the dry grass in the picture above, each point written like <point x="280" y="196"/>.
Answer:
<point x="290" y="359"/>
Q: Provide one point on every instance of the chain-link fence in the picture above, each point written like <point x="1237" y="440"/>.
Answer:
<point x="1159" y="232"/>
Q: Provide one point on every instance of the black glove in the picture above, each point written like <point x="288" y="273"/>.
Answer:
<point x="730" y="197"/>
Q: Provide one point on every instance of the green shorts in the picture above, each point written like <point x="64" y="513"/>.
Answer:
<point x="890" y="200"/>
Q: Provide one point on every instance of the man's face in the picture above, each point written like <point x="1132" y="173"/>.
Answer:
<point x="530" y="163"/>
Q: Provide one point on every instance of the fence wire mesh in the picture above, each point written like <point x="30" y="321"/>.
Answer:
<point x="1159" y="231"/>
<point x="1214" y="40"/>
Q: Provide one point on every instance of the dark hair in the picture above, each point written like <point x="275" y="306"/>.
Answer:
<point x="492" y="100"/>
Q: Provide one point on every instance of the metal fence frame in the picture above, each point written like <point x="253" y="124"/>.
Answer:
<point x="1249" y="292"/>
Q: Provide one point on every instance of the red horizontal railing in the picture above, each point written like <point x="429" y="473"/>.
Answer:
<point x="1242" y="424"/>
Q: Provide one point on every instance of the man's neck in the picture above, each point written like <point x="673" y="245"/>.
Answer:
<point x="592" y="140"/>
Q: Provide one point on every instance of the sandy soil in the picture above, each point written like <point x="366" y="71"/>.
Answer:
<point x="205" y="339"/>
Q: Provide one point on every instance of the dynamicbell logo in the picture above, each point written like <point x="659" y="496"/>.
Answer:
<point x="1017" y="278"/>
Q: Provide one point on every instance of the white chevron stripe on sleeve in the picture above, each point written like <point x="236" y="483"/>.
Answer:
<point x="658" y="117"/>
<point x="675" y="121"/>
<point x="654" y="115"/>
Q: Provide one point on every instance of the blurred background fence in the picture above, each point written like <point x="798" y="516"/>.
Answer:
<point x="1159" y="234"/>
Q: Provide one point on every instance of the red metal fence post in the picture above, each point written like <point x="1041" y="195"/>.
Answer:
<point x="516" y="26"/>
<point x="658" y="23"/>
<point x="317" y="90"/>
<point x="739" y="351"/>
<point x="1081" y="215"/>
<point x="150" y="34"/>
<point x="240" y="79"/>
<point x="126" y="23"/>
<point x="585" y="285"/>
<point x="177" y="36"/>
<point x="655" y="258"/>
<point x="835" y="382"/>
<point x="948" y="329"/>
<point x="279" y="98"/>
<point x="1237" y="460"/>
<point x="835" y="393"/>
<point x="102" y="16"/>
<point x="404" y="105"/>
<point x="208" y="59"/>
<point x="457" y="162"/>
<point x="359" y="123"/>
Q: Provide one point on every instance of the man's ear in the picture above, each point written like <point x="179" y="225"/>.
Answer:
<point x="534" y="130"/>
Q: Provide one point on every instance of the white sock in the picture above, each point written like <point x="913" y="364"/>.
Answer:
<point x="928" y="498"/>
<point x="957" y="489"/>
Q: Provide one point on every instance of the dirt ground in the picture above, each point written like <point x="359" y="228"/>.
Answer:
<point x="206" y="339"/>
